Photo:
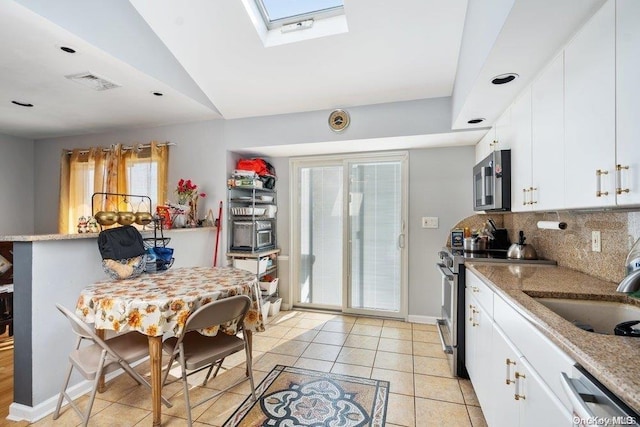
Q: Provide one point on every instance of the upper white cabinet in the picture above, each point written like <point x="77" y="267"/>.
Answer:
<point x="628" y="102"/>
<point x="521" y="164"/>
<point x="498" y="138"/>
<point x="485" y="146"/>
<point x="589" y="111"/>
<point x="547" y="133"/>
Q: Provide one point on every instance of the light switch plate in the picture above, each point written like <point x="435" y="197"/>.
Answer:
<point x="429" y="222"/>
<point x="596" y="241"/>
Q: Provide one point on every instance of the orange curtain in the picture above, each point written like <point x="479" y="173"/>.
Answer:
<point x="98" y="170"/>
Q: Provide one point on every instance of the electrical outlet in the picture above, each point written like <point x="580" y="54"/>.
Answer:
<point x="429" y="222"/>
<point x="596" y="241"/>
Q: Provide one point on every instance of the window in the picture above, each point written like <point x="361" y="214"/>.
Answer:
<point x="277" y="21"/>
<point x="277" y="13"/>
<point x="139" y="170"/>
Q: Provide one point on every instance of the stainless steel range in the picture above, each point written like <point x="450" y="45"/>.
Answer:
<point x="451" y="324"/>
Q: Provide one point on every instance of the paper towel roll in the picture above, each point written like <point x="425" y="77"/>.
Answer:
<point x="552" y="225"/>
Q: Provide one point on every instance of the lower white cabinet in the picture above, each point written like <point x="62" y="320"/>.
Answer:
<point x="478" y="344"/>
<point x="521" y="397"/>
<point x="509" y="387"/>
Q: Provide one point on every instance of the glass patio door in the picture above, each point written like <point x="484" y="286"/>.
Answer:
<point x="348" y="248"/>
<point x="376" y="239"/>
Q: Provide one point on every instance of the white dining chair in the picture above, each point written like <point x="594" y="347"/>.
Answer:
<point x="196" y="352"/>
<point x="100" y="357"/>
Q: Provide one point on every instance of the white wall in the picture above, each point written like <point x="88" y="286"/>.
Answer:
<point x="440" y="185"/>
<point x="16" y="185"/>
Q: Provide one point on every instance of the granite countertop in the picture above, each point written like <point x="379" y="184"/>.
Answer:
<point x="45" y="237"/>
<point x="612" y="360"/>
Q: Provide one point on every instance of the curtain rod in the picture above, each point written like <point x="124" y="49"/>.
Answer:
<point x="126" y="147"/>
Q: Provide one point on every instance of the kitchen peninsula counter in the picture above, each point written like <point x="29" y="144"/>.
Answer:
<point x="611" y="359"/>
<point x="48" y="237"/>
<point x="54" y="268"/>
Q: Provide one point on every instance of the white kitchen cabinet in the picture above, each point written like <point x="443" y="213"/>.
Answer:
<point x="497" y="138"/>
<point x="521" y="395"/>
<point x="589" y="111"/>
<point x="485" y="146"/>
<point x="478" y="330"/>
<point x="510" y="368"/>
<point x="547" y="138"/>
<point x="627" y="102"/>
<point x="521" y="160"/>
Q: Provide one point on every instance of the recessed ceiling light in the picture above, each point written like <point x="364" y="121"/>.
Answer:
<point x="158" y="93"/>
<point x="474" y="121"/>
<point x="22" y="104"/>
<point x="67" y="49"/>
<point x="504" y="78"/>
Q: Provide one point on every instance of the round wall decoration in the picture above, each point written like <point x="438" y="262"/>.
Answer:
<point x="338" y="120"/>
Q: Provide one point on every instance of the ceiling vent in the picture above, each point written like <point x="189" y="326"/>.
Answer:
<point x="93" y="81"/>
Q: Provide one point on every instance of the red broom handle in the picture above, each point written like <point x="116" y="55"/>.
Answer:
<point x="215" y="256"/>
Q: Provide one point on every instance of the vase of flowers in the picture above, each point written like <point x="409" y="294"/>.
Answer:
<point x="187" y="207"/>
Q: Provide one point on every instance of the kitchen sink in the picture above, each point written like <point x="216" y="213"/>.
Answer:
<point x="602" y="316"/>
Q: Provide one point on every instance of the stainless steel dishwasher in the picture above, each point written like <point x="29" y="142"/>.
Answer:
<point x="593" y="404"/>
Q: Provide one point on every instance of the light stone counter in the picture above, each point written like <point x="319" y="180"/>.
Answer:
<point x="613" y="360"/>
<point x="46" y="237"/>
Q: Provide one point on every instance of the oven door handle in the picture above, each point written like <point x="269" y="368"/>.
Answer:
<point x="440" y="323"/>
<point x="445" y="271"/>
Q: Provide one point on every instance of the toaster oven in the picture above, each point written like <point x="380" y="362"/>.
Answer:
<point x="252" y="235"/>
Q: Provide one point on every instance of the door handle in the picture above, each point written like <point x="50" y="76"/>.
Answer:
<point x="401" y="241"/>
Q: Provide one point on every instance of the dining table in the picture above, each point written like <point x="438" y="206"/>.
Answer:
<point x="158" y="304"/>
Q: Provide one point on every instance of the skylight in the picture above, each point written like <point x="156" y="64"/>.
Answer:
<point x="278" y="13"/>
<point x="279" y="22"/>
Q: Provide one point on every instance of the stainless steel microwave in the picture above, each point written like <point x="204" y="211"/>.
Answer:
<point x="492" y="182"/>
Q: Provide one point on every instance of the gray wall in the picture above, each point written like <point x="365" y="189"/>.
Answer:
<point x="16" y="185"/>
<point x="206" y="151"/>
<point x="440" y="185"/>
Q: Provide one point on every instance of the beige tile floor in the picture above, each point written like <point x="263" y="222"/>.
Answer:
<point x="409" y="356"/>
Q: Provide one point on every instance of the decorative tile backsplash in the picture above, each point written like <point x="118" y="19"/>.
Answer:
<point x="572" y="247"/>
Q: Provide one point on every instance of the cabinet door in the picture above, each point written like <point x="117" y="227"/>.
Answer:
<point x="539" y="406"/>
<point x="547" y="130"/>
<point x="504" y="364"/>
<point x="628" y="100"/>
<point x="504" y="131"/>
<point x="521" y="153"/>
<point x="470" y="335"/>
<point x="485" y="146"/>
<point x="590" y="112"/>
<point x="478" y="331"/>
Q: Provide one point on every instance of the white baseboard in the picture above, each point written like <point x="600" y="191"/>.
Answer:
<point x="429" y="320"/>
<point x="20" y="412"/>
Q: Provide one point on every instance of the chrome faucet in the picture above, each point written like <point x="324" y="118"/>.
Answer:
<point x="631" y="283"/>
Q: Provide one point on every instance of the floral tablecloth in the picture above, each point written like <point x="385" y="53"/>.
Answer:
<point x="157" y="303"/>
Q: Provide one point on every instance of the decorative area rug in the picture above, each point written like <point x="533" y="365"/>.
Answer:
<point x="301" y="397"/>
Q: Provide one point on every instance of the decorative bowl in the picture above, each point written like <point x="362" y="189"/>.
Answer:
<point x="106" y="217"/>
<point x="126" y="218"/>
<point x="143" y="218"/>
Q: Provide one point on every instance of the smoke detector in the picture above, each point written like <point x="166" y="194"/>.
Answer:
<point x="93" y="81"/>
